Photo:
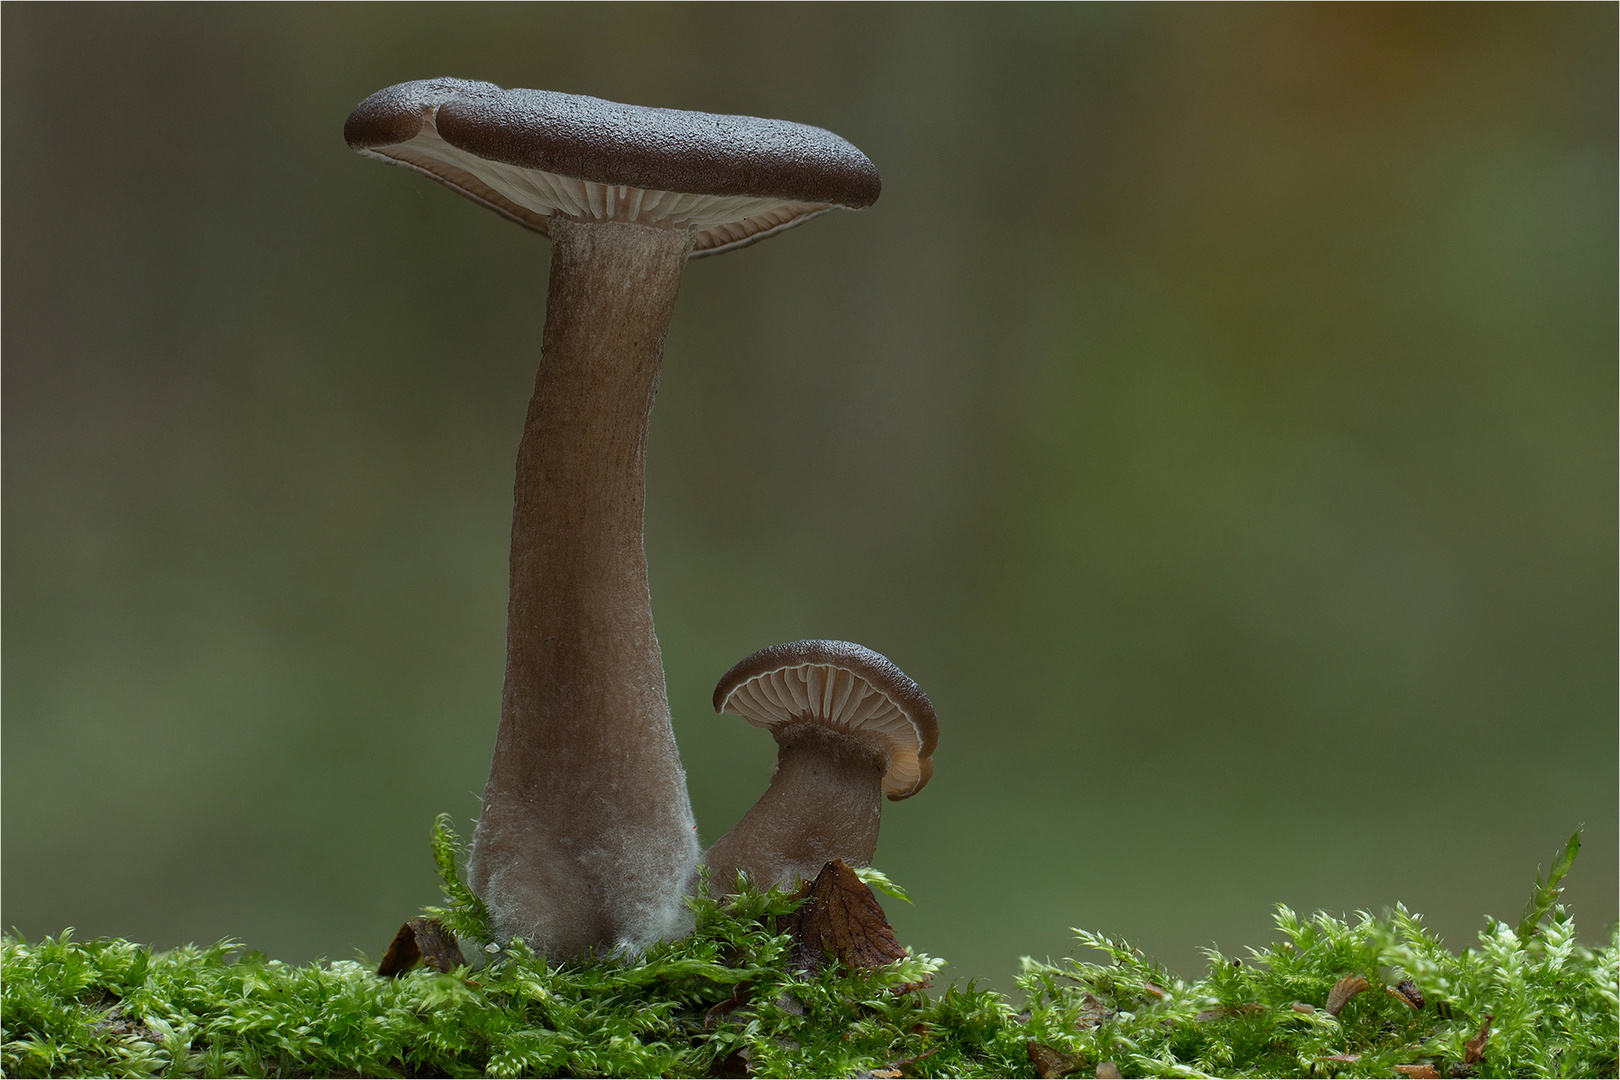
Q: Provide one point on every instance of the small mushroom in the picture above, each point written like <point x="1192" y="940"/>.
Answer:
<point x="585" y="838"/>
<point x="850" y="727"/>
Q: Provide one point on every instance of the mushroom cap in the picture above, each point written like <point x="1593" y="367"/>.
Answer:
<point x="845" y="687"/>
<point x="528" y="154"/>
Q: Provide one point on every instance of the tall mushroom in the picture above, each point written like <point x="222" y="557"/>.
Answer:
<point x="850" y="727"/>
<point x="586" y="837"/>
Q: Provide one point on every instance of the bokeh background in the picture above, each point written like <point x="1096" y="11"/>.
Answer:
<point x="1216" y="415"/>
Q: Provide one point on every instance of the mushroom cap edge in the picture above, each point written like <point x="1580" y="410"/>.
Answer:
<point x="602" y="145"/>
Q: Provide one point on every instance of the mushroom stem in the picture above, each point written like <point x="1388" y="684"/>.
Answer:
<point x="586" y="834"/>
<point x="824" y="803"/>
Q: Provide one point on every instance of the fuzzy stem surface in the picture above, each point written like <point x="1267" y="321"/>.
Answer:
<point x="586" y="838"/>
<point x="825" y="802"/>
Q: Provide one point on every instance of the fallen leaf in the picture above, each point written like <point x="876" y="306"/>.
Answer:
<point x="118" y="1026"/>
<point x="739" y="997"/>
<point x="1109" y="1071"/>
<point x="900" y="1066"/>
<point x="421" y="939"/>
<point x="1050" y="1063"/>
<point x="840" y="919"/>
<point x="1227" y="1012"/>
<point x="1343" y="990"/>
<point x="1303" y="1007"/>
<point x="1348" y="1059"/>
<point x="1476" y="1046"/>
<point x="1092" y="1012"/>
<point x="1156" y="991"/>
<point x="735" y="1065"/>
<point x="1418" y="1072"/>
<point x="1408" y="991"/>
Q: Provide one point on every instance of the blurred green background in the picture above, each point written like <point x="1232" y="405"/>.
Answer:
<point x="1216" y="415"/>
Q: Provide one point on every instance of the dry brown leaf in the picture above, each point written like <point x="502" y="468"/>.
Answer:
<point x="841" y="920"/>
<point x="900" y="1066"/>
<point x="1227" y="1012"/>
<point x="1476" y="1046"/>
<point x="1418" y="1072"/>
<point x="1092" y="1012"/>
<point x="1343" y="990"/>
<point x="736" y="1065"/>
<point x="739" y="997"/>
<point x="1050" y="1063"/>
<point x="1303" y="1007"/>
<point x="118" y="1026"/>
<point x="421" y="940"/>
<point x="1346" y="1059"/>
<point x="1408" y="991"/>
<point x="1156" y="991"/>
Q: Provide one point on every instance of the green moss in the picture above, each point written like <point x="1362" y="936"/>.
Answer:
<point x="725" y="1000"/>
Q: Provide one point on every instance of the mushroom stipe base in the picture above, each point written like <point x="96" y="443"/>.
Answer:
<point x="726" y="1002"/>
<point x="586" y="834"/>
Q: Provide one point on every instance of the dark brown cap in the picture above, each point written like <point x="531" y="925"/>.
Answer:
<point x="529" y="154"/>
<point x="845" y="687"/>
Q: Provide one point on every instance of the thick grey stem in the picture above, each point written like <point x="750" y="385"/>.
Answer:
<point x="586" y="836"/>
<point x="825" y="802"/>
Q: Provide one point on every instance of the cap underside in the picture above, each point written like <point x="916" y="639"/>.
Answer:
<point x="841" y="700"/>
<point x="530" y="196"/>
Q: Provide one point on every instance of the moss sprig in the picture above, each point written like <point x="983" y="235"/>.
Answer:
<point x="1331" y="996"/>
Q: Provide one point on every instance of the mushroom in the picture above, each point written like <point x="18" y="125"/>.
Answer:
<point x="585" y="838"/>
<point x="849" y="727"/>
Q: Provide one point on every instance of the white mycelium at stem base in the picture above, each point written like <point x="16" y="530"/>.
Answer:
<point x="586" y="834"/>
<point x="585" y="840"/>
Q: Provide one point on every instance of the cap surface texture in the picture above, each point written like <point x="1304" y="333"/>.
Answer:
<point x="845" y="687"/>
<point x="528" y="154"/>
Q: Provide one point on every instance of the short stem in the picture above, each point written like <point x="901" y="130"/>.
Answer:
<point x="586" y="837"/>
<point x="825" y="802"/>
